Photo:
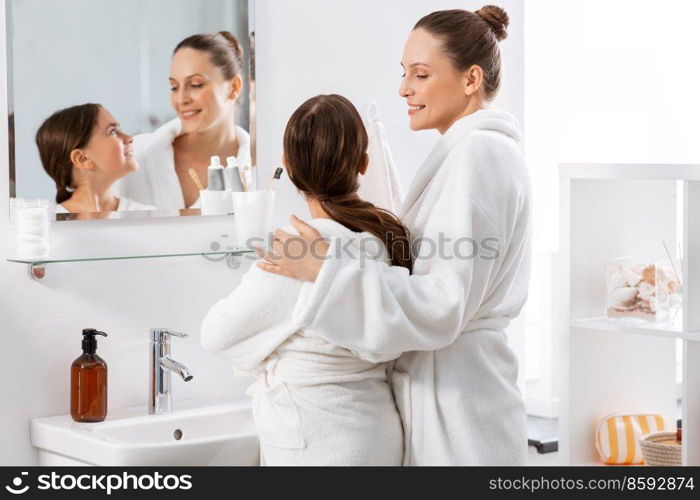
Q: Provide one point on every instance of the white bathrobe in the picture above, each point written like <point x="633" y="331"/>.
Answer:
<point x="156" y="182"/>
<point x="314" y="403"/>
<point x="455" y="382"/>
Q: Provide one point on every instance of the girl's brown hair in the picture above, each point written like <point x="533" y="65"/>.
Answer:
<point x="61" y="133"/>
<point x="471" y="38"/>
<point x="325" y="146"/>
<point x="223" y="49"/>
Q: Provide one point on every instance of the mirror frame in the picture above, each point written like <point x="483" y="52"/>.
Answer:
<point x="141" y="214"/>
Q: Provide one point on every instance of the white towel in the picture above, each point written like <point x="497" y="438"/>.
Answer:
<point x="380" y="185"/>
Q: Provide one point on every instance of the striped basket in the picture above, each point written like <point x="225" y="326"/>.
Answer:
<point x="656" y="453"/>
<point x="618" y="436"/>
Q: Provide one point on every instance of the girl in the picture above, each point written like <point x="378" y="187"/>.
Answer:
<point x="85" y="152"/>
<point x="315" y="403"/>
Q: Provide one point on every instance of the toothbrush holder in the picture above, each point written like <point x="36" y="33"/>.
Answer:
<point x="216" y="202"/>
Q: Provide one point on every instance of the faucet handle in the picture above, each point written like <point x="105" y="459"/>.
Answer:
<point x="163" y="334"/>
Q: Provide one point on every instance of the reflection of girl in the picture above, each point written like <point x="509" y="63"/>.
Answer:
<point x="85" y="153"/>
<point x="456" y="381"/>
<point x="315" y="403"/>
<point x="206" y="83"/>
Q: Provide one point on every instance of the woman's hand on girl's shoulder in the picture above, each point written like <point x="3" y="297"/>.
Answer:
<point x="299" y="256"/>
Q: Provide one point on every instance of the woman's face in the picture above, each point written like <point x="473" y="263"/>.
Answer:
<point x="201" y="96"/>
<point x="109" y="149"/>
<point x="434" y="90"/>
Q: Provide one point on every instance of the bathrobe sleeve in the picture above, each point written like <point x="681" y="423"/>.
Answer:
<point x="464" y="267"/>
<point x="253" y="320"/>
<point x="249" y="324"/>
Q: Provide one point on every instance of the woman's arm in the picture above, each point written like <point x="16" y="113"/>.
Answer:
<point x="257" y="317"/>
<point x="362" y="304"/>
<point x="471" y="271"/>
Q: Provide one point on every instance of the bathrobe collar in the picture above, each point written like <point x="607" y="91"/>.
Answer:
<point x="162" y="176"/>
<point x="368" y="243"/>
<point x="331" y="228"/>
<point x="483" y="119"/>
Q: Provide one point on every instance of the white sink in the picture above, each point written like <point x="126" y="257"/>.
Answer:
<point x="194" y="434"/>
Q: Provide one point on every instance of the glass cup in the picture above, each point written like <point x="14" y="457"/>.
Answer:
<point x="639" y="291"/>
<point x="33" y="219"/>
<point x="215" y="202"/>
<point x="253" y="215"/>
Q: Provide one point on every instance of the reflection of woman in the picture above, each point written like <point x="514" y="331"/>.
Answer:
<point x="456" y="383"/>
<point x="85" y="153"/>
<point x="205" y="85"/>
<point x="315" y="403"/>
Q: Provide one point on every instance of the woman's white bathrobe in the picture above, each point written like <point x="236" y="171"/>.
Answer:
<point x="455" y="382"/>
<point x="314" y="403"/>
<point x="156" y="182"/>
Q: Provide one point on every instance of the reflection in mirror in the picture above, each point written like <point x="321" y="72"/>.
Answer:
<point x="117" y="112"/>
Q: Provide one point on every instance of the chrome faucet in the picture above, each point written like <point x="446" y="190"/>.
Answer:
<point x="161" y="364"/>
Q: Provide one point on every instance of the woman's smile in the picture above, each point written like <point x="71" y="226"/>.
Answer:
<point x="188" y="115"/>
<point x="414" y="108"/>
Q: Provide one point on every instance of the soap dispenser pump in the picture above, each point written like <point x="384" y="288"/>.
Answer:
<point x="88" y="382"/>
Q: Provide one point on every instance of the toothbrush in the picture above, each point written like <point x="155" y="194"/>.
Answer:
<point x="231" y="166"/>
<point x="195" y="179"/>
<point x="244" y="181"/>
<point x="248" y="173"/>
<point x="276" y="176"/>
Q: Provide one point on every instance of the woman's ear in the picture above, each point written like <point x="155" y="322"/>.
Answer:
<point x="473" y="80"/>
<point x="363" y="168"/>
<point x="80" y="160"/>
<point x="236" y="87"/>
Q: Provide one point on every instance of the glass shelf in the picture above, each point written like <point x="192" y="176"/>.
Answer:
<point x="37" y="268"/>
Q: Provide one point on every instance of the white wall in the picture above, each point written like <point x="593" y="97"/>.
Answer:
<point x="304" y="47"/>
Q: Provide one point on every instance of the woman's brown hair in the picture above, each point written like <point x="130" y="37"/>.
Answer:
<point x="471" y="38"/>
<point x="61" y="133"/>
<point x="223" y="49"/>
<point x="325" y="147"/>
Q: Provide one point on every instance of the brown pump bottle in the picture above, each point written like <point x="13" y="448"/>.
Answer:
<point x="88" y="382"/>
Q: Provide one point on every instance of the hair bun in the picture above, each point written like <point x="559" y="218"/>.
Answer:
<point x="234" y="43"/>
<point x="497" y="18"/>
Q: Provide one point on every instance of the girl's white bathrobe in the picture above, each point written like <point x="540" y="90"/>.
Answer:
<point x="156" y="182"/>
<point x="314" y="403"/>
<point x="455" y="383"/>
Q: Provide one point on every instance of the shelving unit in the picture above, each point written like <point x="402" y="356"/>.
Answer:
<point x="610" y="211"/>
<point x="37" y="268"/>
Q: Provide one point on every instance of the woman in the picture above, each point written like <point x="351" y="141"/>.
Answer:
<point x="84" y="151"/>
<point x="205" y="84"/>
<point x="315" y="403"/>
<point x="456" y="383"/>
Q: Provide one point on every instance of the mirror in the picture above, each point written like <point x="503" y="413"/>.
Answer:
<point x="160" y="115"/>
